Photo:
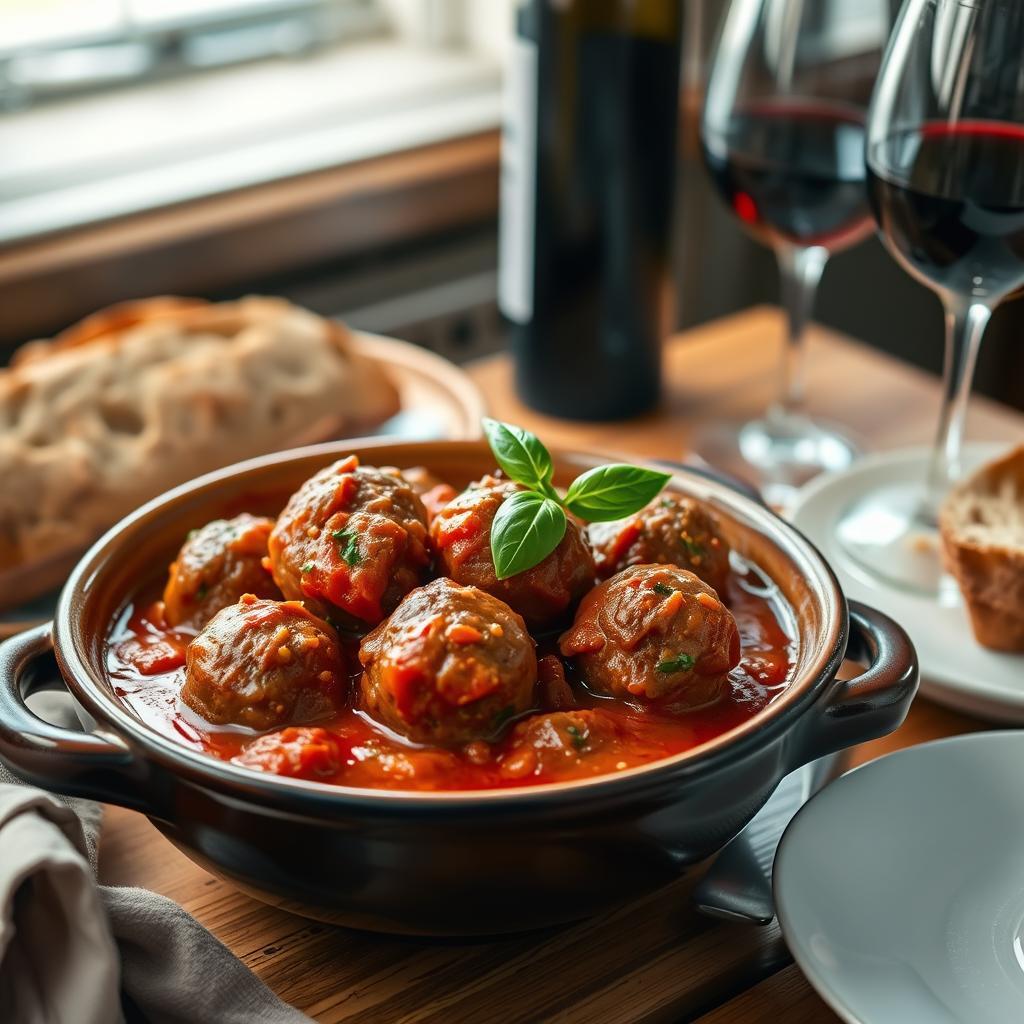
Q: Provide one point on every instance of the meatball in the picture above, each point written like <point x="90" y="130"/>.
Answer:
<point x="654" y="633"/>
<point x="451" y="665"/>
<point x="215" y="567"/>
<point x="672" y="530"/>
<point x="461" y="533"/>
<point x="556" y="742"/>
<point x="351" y="543"/>
<point x="380" y="764"/>
<point x="575" y="743"/>
<point x="264" y="664"/>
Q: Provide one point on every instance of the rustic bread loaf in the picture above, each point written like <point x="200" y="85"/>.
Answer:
<point x="982" y="527"/>
<point x="146" y="395"/>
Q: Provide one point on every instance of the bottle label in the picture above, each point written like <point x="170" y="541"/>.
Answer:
<point x="517" y="218"/>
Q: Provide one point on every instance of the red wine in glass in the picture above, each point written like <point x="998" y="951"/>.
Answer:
<point x="792" y="170"/>
<point x="783" y="130"/>
<point x="949" y="198"/>
<point x="945" y="161"/>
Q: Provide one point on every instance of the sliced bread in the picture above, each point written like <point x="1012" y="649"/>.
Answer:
<point x="982" y="527"/>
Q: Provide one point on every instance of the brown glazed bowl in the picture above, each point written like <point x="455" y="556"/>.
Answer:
<point x="441" y="863"/>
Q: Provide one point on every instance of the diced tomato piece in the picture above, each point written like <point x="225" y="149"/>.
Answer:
<point x="623" y="540"/>
<point x="151" y="657"/>
<point x="460" y="633"/>
<point x="297" y="752"/>
<point x="403" y="682"/>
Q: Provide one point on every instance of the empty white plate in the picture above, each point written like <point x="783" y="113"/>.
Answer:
<point x="900" y="887"/>
<point x="955" y="669"/>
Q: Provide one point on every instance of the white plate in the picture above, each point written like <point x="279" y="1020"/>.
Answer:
<point x="955" y="669"/>
<point x="900" y="887"/>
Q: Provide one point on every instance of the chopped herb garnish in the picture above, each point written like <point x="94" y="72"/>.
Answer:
<point x="667" y="502"/>
<point x="348" y="548"/>
<point x="308" y="567"/>
<point x="202" y="591"/>
<point x="190" y="534"/>
<point x="692" y="546"/>
<point x="663" y="589"/>
<point x="579" y="739"/>
<point x="502" y="717"/>
<point x="680" y="663"/>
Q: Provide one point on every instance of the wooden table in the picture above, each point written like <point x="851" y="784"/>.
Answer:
<point x="655" y="960"/>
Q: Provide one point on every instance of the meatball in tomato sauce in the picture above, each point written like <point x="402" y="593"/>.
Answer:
<point x="461" y="533"/>
<point x="571" y="743"/>
<point x="672" y="530"/>
<point x="654" y="633"/>
<point x="264" y="665"/>
<point x="215" y="567"/>
<point x="453" y="664"/>
<point x="351" y="543"/>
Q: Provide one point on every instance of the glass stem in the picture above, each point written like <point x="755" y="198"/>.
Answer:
<point x="966" y="320"/>
<point x="800" y="270"/>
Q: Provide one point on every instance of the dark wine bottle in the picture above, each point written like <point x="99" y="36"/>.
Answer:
<point x="588" y="165"/>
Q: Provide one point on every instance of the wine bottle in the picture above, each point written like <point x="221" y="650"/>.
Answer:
<point x="588" y="165"/>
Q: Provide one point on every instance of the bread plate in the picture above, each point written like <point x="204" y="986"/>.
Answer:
<point x="955" y="669"/>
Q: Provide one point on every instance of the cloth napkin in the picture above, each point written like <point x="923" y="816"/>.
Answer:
<point x="74" y="952"/>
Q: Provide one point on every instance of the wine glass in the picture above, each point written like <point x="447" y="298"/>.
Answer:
<point x="782" y="134"/>
<point x="945" y="160"/>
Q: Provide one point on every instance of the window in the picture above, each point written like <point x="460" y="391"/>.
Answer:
<point x="113" y="107"/>
<point x="50" y="48"/>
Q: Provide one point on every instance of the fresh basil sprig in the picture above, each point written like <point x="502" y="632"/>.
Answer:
<point x="611" y="492"/>
<point x="530" y="524"/>
<point x="525" y="524"/>
<point x="520" y="454"/>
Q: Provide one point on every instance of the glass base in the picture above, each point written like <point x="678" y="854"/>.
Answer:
<point x="888" y="533"/>
<point x="778" y="453"/>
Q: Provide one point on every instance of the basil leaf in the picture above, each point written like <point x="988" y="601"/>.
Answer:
<point x="520" y="454"/>
<point x="614" y="491"/>
<point x="526" y="529"/>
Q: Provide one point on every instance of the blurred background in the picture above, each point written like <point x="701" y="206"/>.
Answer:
<point x="345" y="154"/>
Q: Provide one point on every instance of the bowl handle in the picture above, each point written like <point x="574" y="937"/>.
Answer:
<point x="874" y="703"/>
<point x="99" y="766"/>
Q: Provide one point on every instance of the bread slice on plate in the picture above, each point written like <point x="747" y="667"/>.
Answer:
<point x="982" y="527"/>
<point x="146" y="395"/>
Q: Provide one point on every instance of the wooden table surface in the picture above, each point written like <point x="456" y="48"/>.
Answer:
<point x="655" y="960"/>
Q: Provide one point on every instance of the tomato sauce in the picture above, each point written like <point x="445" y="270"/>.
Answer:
<point x="146" y="659"/>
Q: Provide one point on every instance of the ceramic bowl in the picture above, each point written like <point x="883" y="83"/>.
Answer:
<point x="451" y="862"/>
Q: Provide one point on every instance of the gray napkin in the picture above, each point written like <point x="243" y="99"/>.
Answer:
<point x="69" y="948"/>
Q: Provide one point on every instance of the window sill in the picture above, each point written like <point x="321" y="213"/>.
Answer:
<point x="96" y="158"/>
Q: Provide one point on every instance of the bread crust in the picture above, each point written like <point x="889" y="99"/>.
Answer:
<point x="145" y="395"/>
<point x="982" y="528"/>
